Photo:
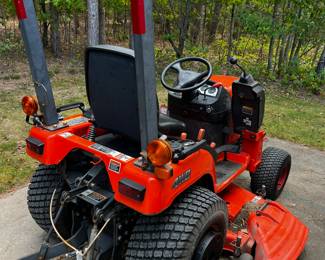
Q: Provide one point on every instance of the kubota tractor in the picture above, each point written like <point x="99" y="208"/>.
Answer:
<point x="100" y="193"/>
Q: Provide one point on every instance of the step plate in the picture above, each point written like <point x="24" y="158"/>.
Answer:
<point x="225" y="169"/>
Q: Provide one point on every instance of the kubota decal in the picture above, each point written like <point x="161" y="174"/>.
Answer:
<point x="185" y="176"/>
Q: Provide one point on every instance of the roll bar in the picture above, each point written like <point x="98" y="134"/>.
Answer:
<point x="143" y="37"/>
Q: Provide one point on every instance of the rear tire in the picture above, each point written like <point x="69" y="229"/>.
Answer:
<point x="42" y="185"/>
<point x="194" y="227"/>
<point x="273" y="172"/>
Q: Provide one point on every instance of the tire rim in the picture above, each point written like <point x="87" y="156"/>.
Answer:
<point x="282" y="178"/>
<point x="210" y="246"/>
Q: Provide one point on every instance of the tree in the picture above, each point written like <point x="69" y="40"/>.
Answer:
<point x="176" y="22"/>
<point x="55" y="29"/>
<point x="93" y="22"/>
<point x="321" y="63"/>
<point x="276" y="6"/>
<point x="214" y="20"/>
<point x="45" y="24"/>
<point x="231" y="31"/>
<point x="102" y="27"/>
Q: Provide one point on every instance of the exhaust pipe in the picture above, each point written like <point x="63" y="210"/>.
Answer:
<point x="25" y="11"/>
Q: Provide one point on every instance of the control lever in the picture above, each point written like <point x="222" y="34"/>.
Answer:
<point x="234" y="61"/>
<point x="201" y="134"/>
<point x="244" y="78"/>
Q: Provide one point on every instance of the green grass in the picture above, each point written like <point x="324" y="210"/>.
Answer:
<point x="295" y="119"/>
<point x="15" y="166"/>
<point x="287" y="117"/>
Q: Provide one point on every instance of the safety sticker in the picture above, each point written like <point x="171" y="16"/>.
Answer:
<point x="114" y="166"/>
<point x="77" y="121"/>
<point x="123" y="157"/>
<point x="66" y="134"/>
<point x="256" y="199"/>
<point x="105" y="150"/>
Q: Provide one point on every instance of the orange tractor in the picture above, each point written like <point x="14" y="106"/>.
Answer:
<point x="123" y="180"/>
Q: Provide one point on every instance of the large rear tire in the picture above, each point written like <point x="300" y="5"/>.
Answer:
<point x="42" y="185"/>
<point x="273" y="172"/>
<point x="194" y="227"/>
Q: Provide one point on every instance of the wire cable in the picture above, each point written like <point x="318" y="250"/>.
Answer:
<point x="55" y="229"/>
<point x="78" y="252"/>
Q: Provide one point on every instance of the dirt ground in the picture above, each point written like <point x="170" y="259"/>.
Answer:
<point x="304" y="196"/>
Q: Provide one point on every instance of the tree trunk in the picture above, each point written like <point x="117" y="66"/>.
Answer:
<point x="321" y="63"/>
<point x="55" y="31"/>
<point x="286" y="50"/>
<point x="215" y="20"/>
<point x="293" y="48"/>
<point x="93" y="22"/>
<point x="231" y="30"/>
<point x="272" y="39"/>
<point x="315" y="55"/>
<point x="44" y="24"/>
<point x="76" y="25"/>
<point x="184" y="22"/>
<point x="276" y="54"/>
<point x="295" y="40"/>
<point x="281" y="55"/>
<point x="102" y="29"/>
<point x="202" y="22"/>
<point x="296" y="55"/>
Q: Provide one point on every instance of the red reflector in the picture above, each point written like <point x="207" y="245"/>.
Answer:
<point x="20" y="9"/>
<point x="35" y="145"/>
<point x="138" y="16"/>
<point x="131" y="189"/>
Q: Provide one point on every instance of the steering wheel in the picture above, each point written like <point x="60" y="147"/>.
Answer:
<point x="187" y="80"/>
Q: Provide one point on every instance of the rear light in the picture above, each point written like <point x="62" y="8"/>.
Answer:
<point x="35" y="145"/>
<point x="29" y="105"/>
<point x="131" y="189"/>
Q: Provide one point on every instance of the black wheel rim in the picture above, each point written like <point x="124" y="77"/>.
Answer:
<point x="210" y="246"/>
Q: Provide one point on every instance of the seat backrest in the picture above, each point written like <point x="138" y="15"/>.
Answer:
<point x="112" y="90"/>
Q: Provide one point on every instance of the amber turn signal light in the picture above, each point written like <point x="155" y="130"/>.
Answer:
<point x="159" y="152"/>
<point x="30" y="105"/>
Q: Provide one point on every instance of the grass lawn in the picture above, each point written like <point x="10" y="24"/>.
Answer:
<point x="287" y="117"/>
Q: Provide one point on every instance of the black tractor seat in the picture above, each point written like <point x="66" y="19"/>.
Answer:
<point x="170" y="126"/>
<point x="112" y="94"/>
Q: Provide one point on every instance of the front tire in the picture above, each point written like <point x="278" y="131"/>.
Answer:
<point x="273" y="172"/>
<point x="194" y="227"/>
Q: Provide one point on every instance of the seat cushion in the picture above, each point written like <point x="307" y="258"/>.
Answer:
<point x="170" y="126"/>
